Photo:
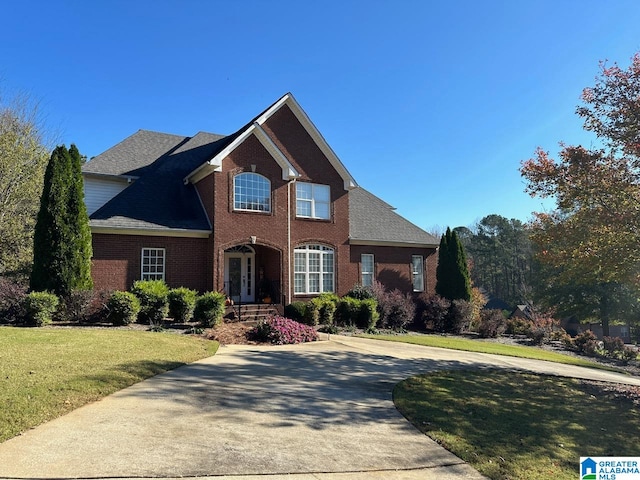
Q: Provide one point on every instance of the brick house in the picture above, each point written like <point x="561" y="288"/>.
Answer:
<point x="267" y="212"/>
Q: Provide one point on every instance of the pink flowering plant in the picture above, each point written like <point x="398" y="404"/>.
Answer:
<point x="282" y="331"/>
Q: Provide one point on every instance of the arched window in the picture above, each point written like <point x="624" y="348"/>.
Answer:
<point x="313" y="269"/>
<point x="251" y="192"/>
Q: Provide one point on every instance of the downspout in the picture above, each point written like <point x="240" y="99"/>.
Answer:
<point x="289" y="259"/>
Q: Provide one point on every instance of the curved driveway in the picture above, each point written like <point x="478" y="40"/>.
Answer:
<point x="322" y="410"/>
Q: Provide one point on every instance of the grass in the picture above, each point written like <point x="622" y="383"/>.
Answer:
<point x="519" y="425"/>
<point x="456" y="343"/>
<point x="45" y="373"/>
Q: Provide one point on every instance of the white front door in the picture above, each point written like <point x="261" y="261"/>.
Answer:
<point x="239" y="275"/>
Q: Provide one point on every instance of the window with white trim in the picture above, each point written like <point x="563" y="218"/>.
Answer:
<point x="251" y="192"/>
<point x="366" y="269"/>
<point x="313" y="267"/>
<point x="417" y="273"/>
<point x="313" y="200"/>
<point x="153" y="263"/>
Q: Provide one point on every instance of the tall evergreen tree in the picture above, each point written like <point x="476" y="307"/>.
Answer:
<point x="62" y="240"/>
<point x="443" y="276"/>
<point x="80" y="250"/>
<point x="452" y="274"/>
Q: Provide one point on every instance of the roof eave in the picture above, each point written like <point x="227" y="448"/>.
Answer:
<point x="152" y="232"/>
<point x="111" y="176"/>
<point x="390" y="243"/>
<point x="215" y="164"/>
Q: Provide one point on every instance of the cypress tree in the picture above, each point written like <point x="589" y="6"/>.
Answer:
<point x="452" y="274"/>
<point x="80" y="250"/>
<point x="461" y="278"/>
<point x="62" y="239"/>
<point x="443" y="276"/>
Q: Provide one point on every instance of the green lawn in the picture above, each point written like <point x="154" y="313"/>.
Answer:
<point x="45" y="373"/>
<point x="457" y="343"/>
<point x="518" y="425"/>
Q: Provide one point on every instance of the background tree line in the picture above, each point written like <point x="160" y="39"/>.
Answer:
<point x="500" y="257"/>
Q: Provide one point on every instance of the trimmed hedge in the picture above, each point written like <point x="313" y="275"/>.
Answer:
<point x="295" y="311"/>
<point x="209" y="308"/>
<point x="325" y="304"/>
<point x="182" y="302"/>
<point x="153" y="300"/>
<point x="361" y="313"/>
<point x="123" y="308"/>
<point x="40" y="307"/>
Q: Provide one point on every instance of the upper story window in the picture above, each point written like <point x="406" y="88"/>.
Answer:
<point x="153" y="263"/>
<point x="313" y="201"/>
<point x="251" y="192"/>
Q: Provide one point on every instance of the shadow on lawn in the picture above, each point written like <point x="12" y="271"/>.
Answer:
<point x="503" y="415"/>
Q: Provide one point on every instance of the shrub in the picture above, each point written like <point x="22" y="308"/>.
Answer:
<point x="311" y="314"/>
<point x="586" y="342"/>
<point x="353" y="312"/>
<point x="76" y="306"/>
<point x="325" y="303"/>
<point x="613" y="346"/>
<point x="12" y="296"/>
<point x="360" y="292"/>
<point x="182" y="302"/>
<point x="347" y="311"/>
<point x="328" y="329"/>
<point x="97" y="310"/>
<point x="541" y="328"/>
<point x="434" y="312"/>
<point x="568" y="342"/>
<point x="153" y="300"/>
<point x="40" y="307"/>
<point x="368" y="316"/>
<point x="295" y="311"/>
<point x="628" y="354"/>
<point x="478" y="301"/>
<point x="492" y="323"/>
<point x="459" y="316"/>
<point x="282" y="331"/>
<point x="518" y="326"/>
<point x="123" y="308"/>
<point x="396" y="310"/>
<point x="209" y="308"/>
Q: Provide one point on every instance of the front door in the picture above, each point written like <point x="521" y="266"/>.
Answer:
<point x="239" y="274"/>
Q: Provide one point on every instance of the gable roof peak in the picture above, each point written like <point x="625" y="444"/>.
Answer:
<point x="254" y="127"/>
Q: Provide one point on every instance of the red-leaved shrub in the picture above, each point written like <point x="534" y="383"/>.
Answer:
<point x="12" y="295"/>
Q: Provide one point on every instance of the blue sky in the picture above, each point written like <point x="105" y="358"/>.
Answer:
<point x="431" y="105"/>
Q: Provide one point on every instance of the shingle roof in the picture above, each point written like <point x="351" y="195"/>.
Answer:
<point x="158" y="199"/>
<point x="373" y="220"/>
<point x="133" y="154"/>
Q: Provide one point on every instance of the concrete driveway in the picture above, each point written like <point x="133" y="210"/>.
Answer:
<point x="321" y="410"/>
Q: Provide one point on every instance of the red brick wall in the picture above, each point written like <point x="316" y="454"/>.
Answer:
<point x="393" y="266"/>
<point x="291" y="138"/>
<point x="270" y="229"/>
<point x="116" y="261"/>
